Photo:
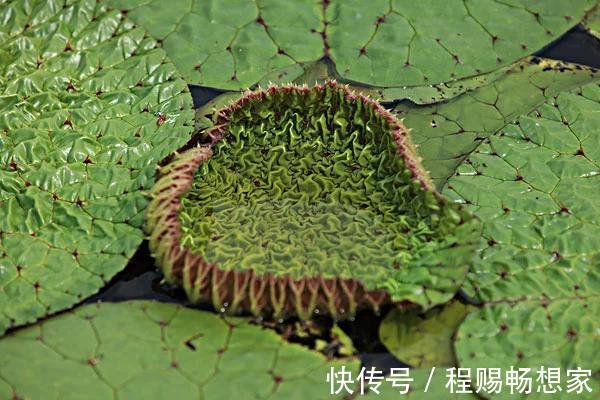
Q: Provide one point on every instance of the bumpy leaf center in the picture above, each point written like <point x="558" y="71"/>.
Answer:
<point x="311" y="182"/>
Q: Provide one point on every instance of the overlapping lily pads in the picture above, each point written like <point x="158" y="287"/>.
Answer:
<point x="89" y="106"/>
<point x="150" y="350"/>
<point x="536" y="335"/>
<point x="534" y="182"/>
<point x="535" y="185"/>
<point x="380" y="43"/>
<point x="446" y="133"/>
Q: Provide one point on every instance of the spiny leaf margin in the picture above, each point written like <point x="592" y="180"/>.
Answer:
<point x="302" y="295"/>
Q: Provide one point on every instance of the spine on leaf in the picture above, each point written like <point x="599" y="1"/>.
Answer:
<point x="232" y="290"/>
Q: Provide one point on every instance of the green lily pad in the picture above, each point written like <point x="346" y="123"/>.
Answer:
<point x="446" y="133"/>
<point x="79" y="141"/>
<point x="379" y="43"/>
<point x="423" y="340"/>
<point x="149" y="350"/>
<point x="528" y="76"/>
<point x="321" y="72"/>
<point x="429" y="94"/>
<point x="318" y="73"/>
<point x="535" y="186"/>
<point x="308" y="199"/>
<point x="561" y="334"/>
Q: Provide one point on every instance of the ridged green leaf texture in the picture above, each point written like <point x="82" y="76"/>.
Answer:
<point x="149" y="350"/>
<point x="534" y="183"/>
<point x="447" y="132"/>
<point x="535" y="186"/>
<point x="309" y="185"/>
<point x="79" y="140"/>
<point x="90" y="104"/>
<point x="532" y="334"/>
<point x="234" y="45"/>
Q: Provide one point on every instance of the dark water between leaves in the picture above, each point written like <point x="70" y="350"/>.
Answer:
<point x="141" y="280"/>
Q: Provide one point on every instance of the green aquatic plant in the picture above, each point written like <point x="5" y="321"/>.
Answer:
<point x="89" y="106"/>
<point x="382" y="43"/>
<point x="307" y="199"/>
<point x="539" y="271"/>
<point x="534" y="183"/>
<point x="425" y="386"/>
<point x="150" y="350"/>
<point x="447" y="132"/>
<point x="534" y="334"/>
<point x="293" y="201"/>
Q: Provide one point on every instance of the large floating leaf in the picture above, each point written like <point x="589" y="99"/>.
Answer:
<point x="535" y="185"/>
<point x="148" y="350"/>
<point x="446" y="133"/>
<point x="428" y="94"/>
<point x="423" y="340"/>
<point x="381" y="43"/>
<point x="79" y="139"/>
<point x="308" y="199"/>
<point x="531" y="334"/>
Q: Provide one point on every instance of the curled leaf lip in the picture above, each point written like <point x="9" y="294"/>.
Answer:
<point x="232" y="290"/>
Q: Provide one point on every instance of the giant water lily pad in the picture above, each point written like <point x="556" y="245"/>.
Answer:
<point x="307" y="199"/>
<point x="535" y="185"/>
<point x="429" y="94"/>
<point x="88" y="106"/>
<point x="150" y="350"/>
<point x="446" y="133"/>
<point x="559" y="334"/>
<point x="380" y="43"/>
